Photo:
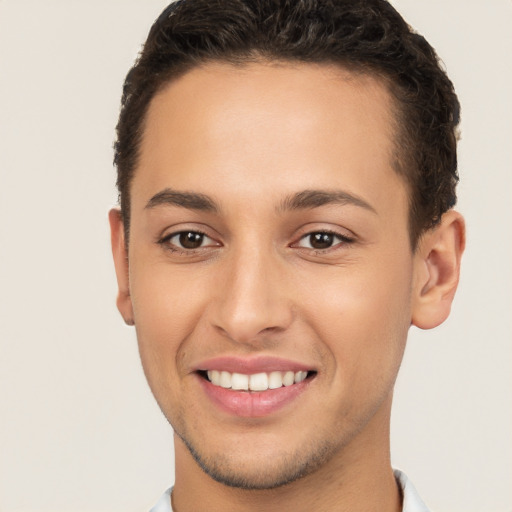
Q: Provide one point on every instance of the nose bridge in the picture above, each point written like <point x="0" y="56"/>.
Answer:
<point x="252" y="294"/>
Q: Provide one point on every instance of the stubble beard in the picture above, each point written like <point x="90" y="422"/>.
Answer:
<point x="285" y="469"/>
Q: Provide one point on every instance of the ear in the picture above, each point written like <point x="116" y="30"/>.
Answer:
<point x="119" y="251"/>
<point x="437" y="269"/>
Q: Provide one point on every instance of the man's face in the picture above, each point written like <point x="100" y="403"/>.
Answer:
<point x="269" y="246"/>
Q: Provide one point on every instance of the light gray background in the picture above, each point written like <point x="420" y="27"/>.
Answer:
<point x="78" y="428"/>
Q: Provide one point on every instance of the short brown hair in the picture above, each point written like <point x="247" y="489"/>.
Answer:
<point x="366" y="36"/>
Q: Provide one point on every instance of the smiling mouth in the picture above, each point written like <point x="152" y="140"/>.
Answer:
<point x="262" y="381"/>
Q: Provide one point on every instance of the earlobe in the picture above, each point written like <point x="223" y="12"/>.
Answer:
<point x="437" y="269"/>
<point x="119" y="252"/>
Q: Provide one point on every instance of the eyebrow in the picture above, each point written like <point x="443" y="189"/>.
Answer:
<point x="316" y="198"/>
<point x="307" y="199"/>
<point x="189" y="200"/>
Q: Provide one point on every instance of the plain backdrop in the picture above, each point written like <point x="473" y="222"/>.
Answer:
<point x="79" y="430"/>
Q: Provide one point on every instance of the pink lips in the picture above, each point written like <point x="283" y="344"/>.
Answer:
<point x="253" y="365"/>
<point x="252" y="404"/>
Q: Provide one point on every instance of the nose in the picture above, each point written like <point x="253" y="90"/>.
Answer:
<point x="252" y="302"/>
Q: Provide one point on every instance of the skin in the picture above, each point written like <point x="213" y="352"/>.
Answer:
<point x="250" y="138"/>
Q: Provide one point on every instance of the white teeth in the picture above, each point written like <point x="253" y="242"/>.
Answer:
<point x="258" y="382"/>
<point x="240" y="381"/>
<point x="289" y="378"/>
<point x="255" y="382"/>
<point x="275" y="380"/>
<point x="225" y="380"/>
<point x="300" y="376"/>
<point x="214" y="376"/>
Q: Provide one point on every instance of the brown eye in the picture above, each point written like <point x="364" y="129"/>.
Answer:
<point x="190" y="239"/>
<point x="321" y="240"/>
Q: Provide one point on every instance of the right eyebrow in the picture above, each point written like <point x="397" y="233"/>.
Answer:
<point x="189" y="200"/>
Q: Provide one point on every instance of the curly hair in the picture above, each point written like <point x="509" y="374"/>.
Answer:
<point x="367" y="36"/>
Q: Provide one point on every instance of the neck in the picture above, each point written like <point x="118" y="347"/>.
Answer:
<point x="359" y="477"/>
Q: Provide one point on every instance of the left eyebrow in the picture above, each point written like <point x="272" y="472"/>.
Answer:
<point x="189" y="200"/>
<point x="315" y="198"/>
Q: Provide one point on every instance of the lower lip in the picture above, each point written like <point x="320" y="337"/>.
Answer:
<point x="253" y="404"/>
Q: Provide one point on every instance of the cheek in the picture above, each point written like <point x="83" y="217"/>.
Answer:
<point x="164" y="301"/>
<point x="363" y="316"/>
<point x="166" y="308"/>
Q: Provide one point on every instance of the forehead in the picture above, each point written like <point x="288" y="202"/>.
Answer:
<point x="318" y="126"/>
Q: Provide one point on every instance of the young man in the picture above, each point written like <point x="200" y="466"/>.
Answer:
<point x="286" y="174"/>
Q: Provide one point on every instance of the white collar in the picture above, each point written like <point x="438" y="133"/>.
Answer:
<point x="412" y="501"/>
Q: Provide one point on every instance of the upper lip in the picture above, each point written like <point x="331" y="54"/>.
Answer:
<point x="260" y="364"/>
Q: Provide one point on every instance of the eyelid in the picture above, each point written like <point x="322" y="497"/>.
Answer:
<point x="344" y="239"/>
<point x="177" y="234"/>
<point x="166" y="241"/>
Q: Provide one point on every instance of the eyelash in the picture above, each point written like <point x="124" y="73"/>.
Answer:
<point x="166" y="242"/>
<point x="343" y="240"/>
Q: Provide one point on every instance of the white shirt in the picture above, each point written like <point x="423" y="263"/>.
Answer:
<point x="412" y="502"/>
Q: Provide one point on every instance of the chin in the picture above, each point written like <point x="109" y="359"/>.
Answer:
<point x="263" y="472"/>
